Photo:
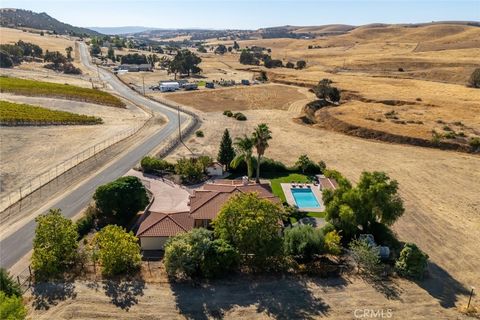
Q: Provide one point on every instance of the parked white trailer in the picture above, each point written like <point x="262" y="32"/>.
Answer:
<point x="169" y="86"/>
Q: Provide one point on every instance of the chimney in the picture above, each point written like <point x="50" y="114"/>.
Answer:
<point x="245" y="180"/>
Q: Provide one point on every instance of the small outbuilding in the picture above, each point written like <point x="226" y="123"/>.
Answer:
<point x="215" y="169"/>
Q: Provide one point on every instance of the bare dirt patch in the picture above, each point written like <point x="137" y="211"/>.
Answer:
<point x="242" y="98"/>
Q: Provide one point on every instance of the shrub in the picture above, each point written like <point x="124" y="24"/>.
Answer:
<point x="118" y="250"/>
<point x="474" y="80"/>
<point x="5" y="60"/>
<point x="152" y="165"/>
<point x="474" y="143"/>
<point x="447" y="128"/>
<point x="412" y="262"/>
<point x="366" y="257"/>
<point x="303" y="241"/>
<point x="227" y="112"/>
<point x="86" y="223"/>
<point x="400" y="69"/>
<point x="69" y="68"/>
<point x="240" y="116"/>
<point x="333" y="242"/>
<point x="197" y="254"/>
<point x="7" y="285"/>
<point x="450" y="135"/>
<point x="290" y="65"/>
<point x="301" y="64"/>
<point x="273" y="166"/>
<point x="199" y="134"/>
<point x="11" y="307"/>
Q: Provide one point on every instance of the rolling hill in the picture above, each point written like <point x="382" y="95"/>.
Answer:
<point x="19" y="18"/>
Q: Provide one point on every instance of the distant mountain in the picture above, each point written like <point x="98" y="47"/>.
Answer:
<point x="19" y="18"/>
<point x="121" y="30"/>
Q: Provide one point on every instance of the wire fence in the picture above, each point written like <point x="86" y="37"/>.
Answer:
<point x="10" y="199"/>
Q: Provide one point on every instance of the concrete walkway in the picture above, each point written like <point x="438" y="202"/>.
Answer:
<point x="169" y="197"/>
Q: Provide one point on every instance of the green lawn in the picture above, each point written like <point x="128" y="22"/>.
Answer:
<point x="287" y="178"/>
<point x="16" y="114"/>
<point x="63" y="91"/>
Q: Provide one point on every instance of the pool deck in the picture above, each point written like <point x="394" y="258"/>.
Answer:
<point x="286" y="187"/>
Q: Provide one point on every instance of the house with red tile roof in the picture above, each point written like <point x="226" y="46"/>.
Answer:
<point x="205" y="204"/>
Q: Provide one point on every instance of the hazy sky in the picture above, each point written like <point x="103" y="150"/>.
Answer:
<point x="246" y="14"/>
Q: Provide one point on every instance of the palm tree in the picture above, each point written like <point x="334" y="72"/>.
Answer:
<point x="261" y="135"/>
<point x="244" y="148"/>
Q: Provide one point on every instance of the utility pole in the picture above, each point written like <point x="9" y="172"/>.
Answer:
<point x="179" y="130"/>
<point x="143" y="82"/>
<point x="470" y="299"/>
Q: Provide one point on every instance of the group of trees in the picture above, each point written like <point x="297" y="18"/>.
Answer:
<point x="14" y="54"/>
<point x="11" y="302"/>
<point x="301" y="64"/>
<point x="235" y="154"/>
<point x="184" y="62"/>
<point x="357" y="209"/>
<point x="244" y="149"/>
<point x="60" y="62"/>
<point x="56" y="250"/>
<point x="246" y="231"/>
<point x="134" y="58"/>
<point x="324" y="91"/>
<point x="307" y="166"/>
<point x="371" y="207"/>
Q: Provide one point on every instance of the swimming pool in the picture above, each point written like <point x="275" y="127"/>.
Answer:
<point x="305" y="198"/>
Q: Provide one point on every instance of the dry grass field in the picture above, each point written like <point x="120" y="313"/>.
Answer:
<point x="46" y="42"/>
<point x="29" y="151"/>
<point x="429" y="95"/>
<point x="279" y="97"/>
<point x="237" y="298"/>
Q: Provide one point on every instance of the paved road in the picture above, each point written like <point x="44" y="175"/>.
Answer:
<point x="18" y="244"/>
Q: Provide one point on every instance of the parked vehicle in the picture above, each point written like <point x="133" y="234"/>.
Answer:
<point x="190" y="86"/>
<point x="210" y="85"/>
<point x="246" y="82"/>
<point x="154" y="88"/>
<point x="169" y="86"/>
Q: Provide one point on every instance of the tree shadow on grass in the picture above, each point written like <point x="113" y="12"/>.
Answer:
<point x="124" y="294"/>
<point x="442" y="286"/>
<point x="47" y="294"/>
<point x="287" y="298"/>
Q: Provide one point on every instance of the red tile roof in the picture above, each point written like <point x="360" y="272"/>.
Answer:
<point x="159" y="224"/>
<point x="207" y="203"/>
<point x="204" y="204"/>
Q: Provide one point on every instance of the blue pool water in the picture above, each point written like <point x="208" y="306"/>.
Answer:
<point x="305" y="198"/>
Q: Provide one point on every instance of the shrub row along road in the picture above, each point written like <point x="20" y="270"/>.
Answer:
<point x="16" y="245"/>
